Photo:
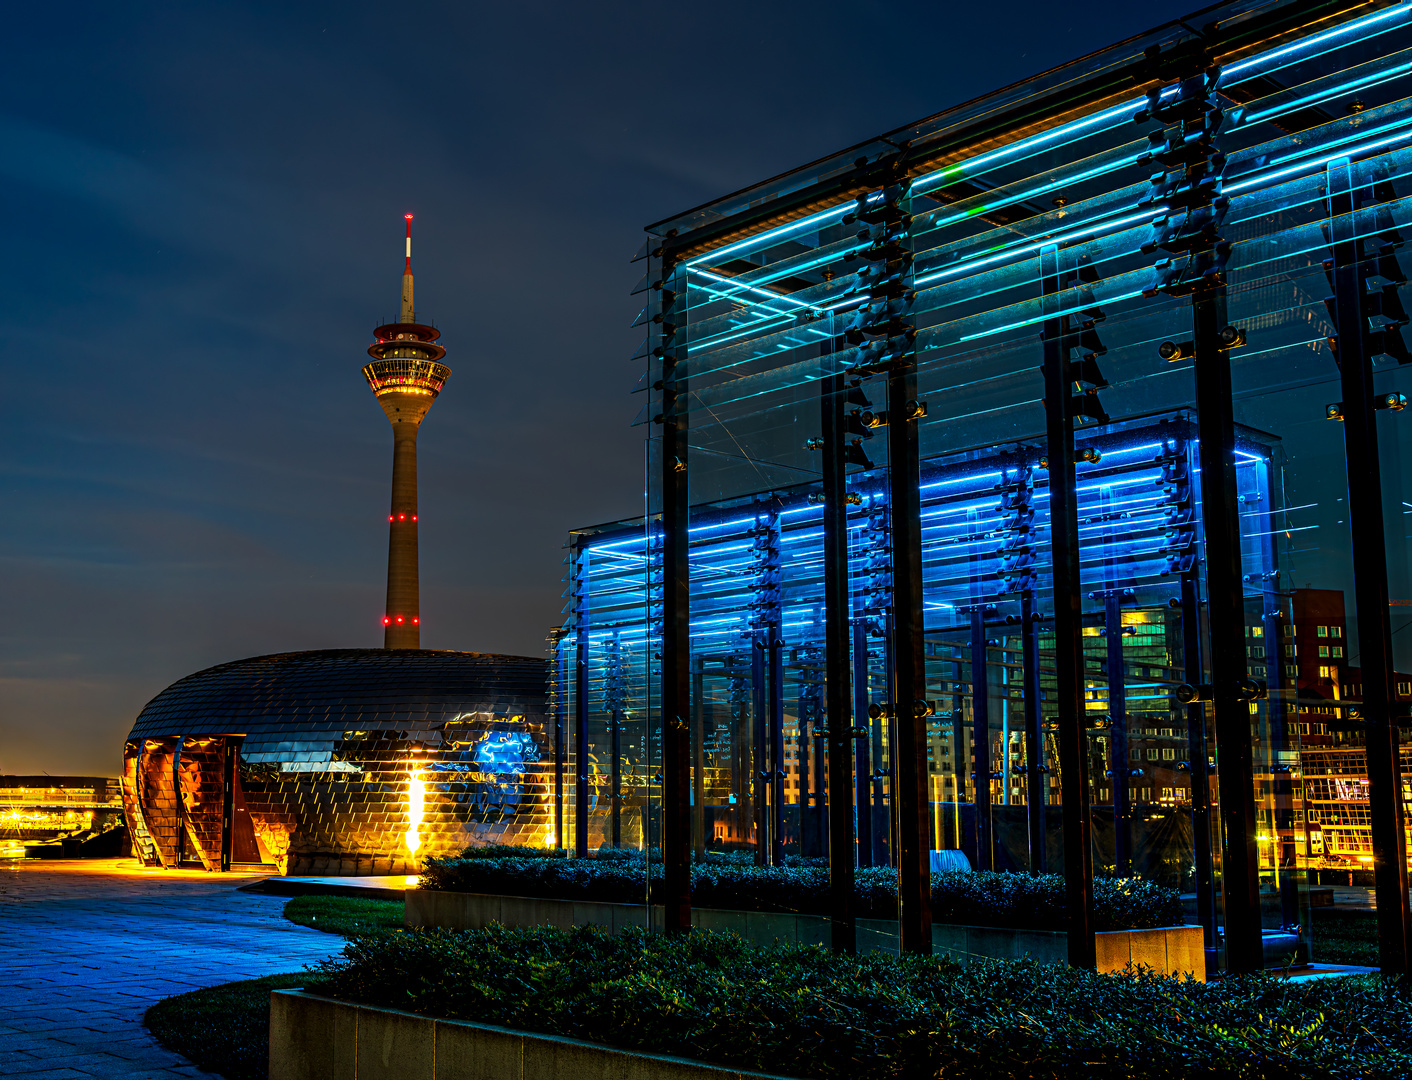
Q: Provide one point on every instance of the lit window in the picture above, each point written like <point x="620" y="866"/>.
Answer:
<point x="1337" y="631"/>
<point x="1322" y="631"/>
<point x="1257" y="631"/>
<point x="1337" y="651"/>
<point x="1323" y="650"/>
<point x="1323" y="671"/>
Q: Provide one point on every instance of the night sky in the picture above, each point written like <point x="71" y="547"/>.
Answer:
<point x="203" y="208"/>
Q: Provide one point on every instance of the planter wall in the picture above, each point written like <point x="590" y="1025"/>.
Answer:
<point x="1168" y="949"/>
<point x="317" y="1038"/>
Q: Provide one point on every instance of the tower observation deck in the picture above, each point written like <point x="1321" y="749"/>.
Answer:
<point x="406" y="376"/>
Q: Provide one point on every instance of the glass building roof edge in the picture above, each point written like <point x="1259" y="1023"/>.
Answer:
<point x="800" y="190"/>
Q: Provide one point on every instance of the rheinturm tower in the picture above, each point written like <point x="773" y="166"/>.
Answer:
<point x="406" y="377"/>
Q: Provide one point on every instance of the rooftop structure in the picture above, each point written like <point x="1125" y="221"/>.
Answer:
<point x="988" y="463"/>
<point x="406" y="376"/>
<point x="339" y="761"/>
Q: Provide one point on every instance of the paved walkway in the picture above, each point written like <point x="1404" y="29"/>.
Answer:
<point x="86" y="947"/>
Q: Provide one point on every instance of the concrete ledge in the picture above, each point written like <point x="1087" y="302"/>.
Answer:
<point x="316" y="1038"/>
<point x="1171" y="950"/>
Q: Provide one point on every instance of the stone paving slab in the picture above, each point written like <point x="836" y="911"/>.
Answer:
<point x="87" y="946"/>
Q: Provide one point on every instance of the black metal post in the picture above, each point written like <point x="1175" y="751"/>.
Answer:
<point x="1230" y="687"/>
<point x="582" y="765"/>
<point x="698" y="759"/>
<point x="614" y="705"/>
<point x="980" y="739"/>
<point x="616" y="719"/>
<point x="1198" y="752"/>
<point x="1068" y="626"/>
<point x="560" y="750"/>
<point x="884" y="735"/>
<point x="1366" y="528"/>
<point x="910" y="794"/>
<point x="864" y="763"/>
<point x="676" y="633"/>
<point x="837" y="685"/>
<point x="775" y="683"/>
<point x="960" y="759"/>
<point x="230" y="750"/>
<point x="1118" y="732"/>
<point x="1036" y="778"/>
<point x="760" y="777"/>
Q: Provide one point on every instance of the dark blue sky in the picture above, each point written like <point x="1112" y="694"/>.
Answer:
<point x="203" y="221"/>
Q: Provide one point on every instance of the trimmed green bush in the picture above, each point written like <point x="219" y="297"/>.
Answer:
<point x="812" y="1013"/>
<point x="512" y="851"/>
<point x="1034" y="901"/>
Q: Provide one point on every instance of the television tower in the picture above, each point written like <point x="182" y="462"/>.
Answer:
<point x="406" y="378"/>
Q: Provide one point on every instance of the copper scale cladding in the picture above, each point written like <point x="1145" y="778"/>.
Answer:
<point x="341" y="761"/>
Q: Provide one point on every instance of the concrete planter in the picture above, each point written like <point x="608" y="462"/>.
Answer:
<point x="317" y="1038"/>
<point x="1168" y="949"/>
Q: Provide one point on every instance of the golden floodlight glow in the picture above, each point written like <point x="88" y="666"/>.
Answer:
<point x="416" y="802"/>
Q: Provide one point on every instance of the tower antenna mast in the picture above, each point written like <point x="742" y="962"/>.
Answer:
<point x="406" y="375"/>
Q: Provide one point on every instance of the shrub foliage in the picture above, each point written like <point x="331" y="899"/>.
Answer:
<point x="979" y="899"/>
<point x="811" y="1013"/>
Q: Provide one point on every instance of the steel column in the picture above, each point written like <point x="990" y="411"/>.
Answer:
<point x="581" y="763"/>
<point x="980" y="739"/>
<point x="698" y="759"/>
<point x="1198" y="752"/>
<point x="560" y="750"/>
<point x="911" y="797"/>
<point x="760" y="777"/>
<point x="775" y="684"/>
<point x="1118" y="733"/>
<point x="1370" y="587"/>
<point x="1231" y="689"/>
<point x="616" y="718"/>
<point x="837" y="684"/>
<point x="676" y="634"/>
<point x="229" y="751"/>
<point x="1068" y="624"/>
<point x="863" y="785"/>
<point x="1036" y="777"/>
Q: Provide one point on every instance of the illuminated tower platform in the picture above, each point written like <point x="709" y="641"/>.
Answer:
<point x="406" y="377"/>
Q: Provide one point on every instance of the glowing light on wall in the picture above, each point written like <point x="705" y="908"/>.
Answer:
<point x="416" y="803"/>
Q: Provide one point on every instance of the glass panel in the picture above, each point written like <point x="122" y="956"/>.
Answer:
<point x="1031" y="212"/>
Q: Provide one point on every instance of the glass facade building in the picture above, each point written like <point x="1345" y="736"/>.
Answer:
<point x="1028" y="483"/>
<point x="340" y="761"/>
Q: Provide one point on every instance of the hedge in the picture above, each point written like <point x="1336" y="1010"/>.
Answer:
<point x="811" y="1013"/>
<point x="1034" y="901"/>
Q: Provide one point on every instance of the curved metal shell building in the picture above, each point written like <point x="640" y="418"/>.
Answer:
<point x="340" y="761"/>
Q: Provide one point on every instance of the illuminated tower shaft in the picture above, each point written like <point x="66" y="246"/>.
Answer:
<point x="406" y="378"/>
